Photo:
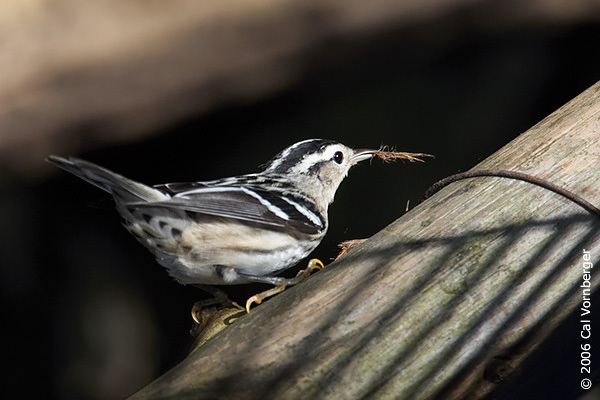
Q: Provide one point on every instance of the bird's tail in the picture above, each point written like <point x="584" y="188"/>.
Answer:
<point x="121" y="188"/>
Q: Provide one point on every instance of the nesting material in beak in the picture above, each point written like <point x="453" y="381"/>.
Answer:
<point x="388" y="155"/>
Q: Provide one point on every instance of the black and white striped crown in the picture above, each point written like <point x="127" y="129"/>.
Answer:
<point x="294" y="155"/>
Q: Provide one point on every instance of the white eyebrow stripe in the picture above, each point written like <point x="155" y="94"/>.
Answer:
<point x="309" y="160"/>
<point x="270" y="206"/>
<point x="304" y="211"/>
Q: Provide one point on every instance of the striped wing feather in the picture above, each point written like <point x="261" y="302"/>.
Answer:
<point x="269" y="209"/>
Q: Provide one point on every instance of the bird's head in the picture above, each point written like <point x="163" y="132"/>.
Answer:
<point x="317" y="166"/>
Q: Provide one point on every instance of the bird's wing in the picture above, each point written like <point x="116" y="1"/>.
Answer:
<point x="268" y="208"/>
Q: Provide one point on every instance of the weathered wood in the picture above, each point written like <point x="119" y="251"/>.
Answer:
<point x="446" y="301"/>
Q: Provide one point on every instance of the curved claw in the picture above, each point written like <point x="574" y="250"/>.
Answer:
<point x="253" y="299"/>
<point x="314" y="265"/>
<point x="195" y="311"/>
<point x="258" y="298"/>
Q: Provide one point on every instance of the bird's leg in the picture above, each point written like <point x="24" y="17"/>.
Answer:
<point x="281" y="283"/>
<point x="220" y="298"/>
<point x="212" y="315"/>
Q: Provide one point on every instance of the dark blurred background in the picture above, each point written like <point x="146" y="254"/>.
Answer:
<point x="198" y="92"/>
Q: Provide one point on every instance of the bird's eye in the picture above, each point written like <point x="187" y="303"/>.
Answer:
<point x="338" y="157"/>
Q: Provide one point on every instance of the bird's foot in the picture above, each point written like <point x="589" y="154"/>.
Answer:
<point x="313" y="265"/>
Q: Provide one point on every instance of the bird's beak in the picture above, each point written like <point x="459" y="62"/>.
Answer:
<point x="361" y="155"/>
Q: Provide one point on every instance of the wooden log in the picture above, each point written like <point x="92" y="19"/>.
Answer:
<point x="447" y="301"/>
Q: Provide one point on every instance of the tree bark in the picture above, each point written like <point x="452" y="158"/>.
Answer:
<point x="447" y="301"/>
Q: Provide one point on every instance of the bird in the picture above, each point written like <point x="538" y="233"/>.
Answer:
<point x="234" y="230"/>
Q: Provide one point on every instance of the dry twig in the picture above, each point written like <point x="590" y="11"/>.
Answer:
<point x="348" y="245"/>
<point x="389" y="155"/>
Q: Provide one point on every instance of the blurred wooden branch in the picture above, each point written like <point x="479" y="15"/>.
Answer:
<point x="446" y="302"/>
<point x="77" y="74"/>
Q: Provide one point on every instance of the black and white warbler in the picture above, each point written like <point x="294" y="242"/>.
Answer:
<point x="234" y="230"/>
